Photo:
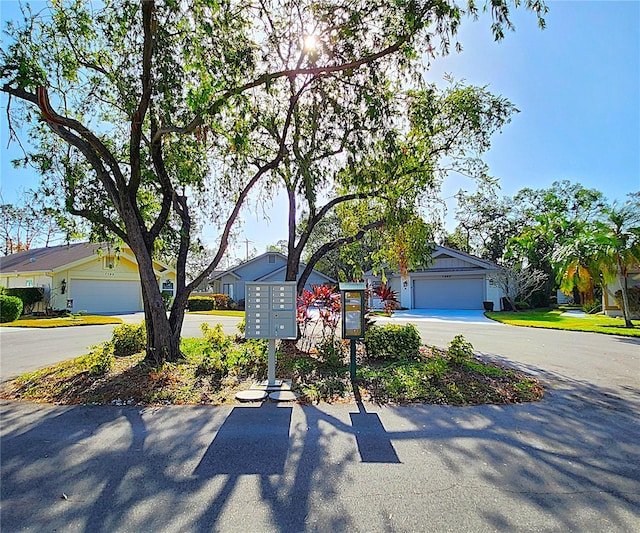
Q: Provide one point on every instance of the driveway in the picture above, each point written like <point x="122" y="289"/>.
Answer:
<point x="468" y="316"/>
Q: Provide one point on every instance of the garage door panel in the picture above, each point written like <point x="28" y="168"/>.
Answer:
<point x="108" y="296"/>
<point x="448" y="293"/>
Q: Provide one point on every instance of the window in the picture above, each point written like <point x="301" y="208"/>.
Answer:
<point x="272" y="259"/>
<point x="109" y="262"/>
<point x="167" y="287"/>
<point x="227" y="288"/>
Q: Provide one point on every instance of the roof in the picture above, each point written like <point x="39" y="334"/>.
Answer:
<point x="234" y="270"/>
<point x="57" y="257"/>
<point x="45" y="259"/>
<point x="438" y="251"/>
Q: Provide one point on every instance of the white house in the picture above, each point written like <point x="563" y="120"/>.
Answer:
<point x="270" y="266"/>
<point x="83" y="277"/>
<point x="609" y="304"/>
<point x="453" y="280"/>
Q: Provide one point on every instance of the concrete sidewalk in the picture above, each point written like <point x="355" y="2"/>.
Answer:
<point x="568" y="463"/>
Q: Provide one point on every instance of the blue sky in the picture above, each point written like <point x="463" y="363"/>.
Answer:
<point x="576" y="84"/>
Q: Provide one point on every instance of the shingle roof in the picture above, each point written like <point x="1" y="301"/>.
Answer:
<point x="45" y="259"/>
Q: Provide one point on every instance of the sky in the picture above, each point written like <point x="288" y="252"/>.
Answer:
<point x="576" y="84"/>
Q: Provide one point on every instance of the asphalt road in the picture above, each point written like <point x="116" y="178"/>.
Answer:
<point x="568" y="463"/>
<point x="24" y="350"/>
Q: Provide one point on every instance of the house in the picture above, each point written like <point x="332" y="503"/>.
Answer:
<point x="453" y="280"/>
<point x="609" y="304"/>
<point x="82" y="277"/>
<point x="270" y="266"/>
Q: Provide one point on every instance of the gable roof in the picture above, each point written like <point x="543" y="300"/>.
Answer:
<point x="237" y="270"/>
<point x="300" y="269"/>
<point x="47" y="259"/>
<point x="475" y="263"/>
<point x="58" y="257"/>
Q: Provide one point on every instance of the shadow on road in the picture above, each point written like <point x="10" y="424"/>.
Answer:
<point x="568" y="461"/>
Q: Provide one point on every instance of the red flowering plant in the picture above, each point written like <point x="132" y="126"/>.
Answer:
<point x="389" y="298"/>
<point x="318" y="315"/>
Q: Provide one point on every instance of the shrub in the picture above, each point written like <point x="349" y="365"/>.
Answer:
<point x="101" y="359"/>
<point x="392" y="342"/>
<point x="215" y="337"/>
<point x="522" y="306"/>
<point x="29" y="296"/>
<point x="10" y="308"/>
<point x="128" y="339"/>
<point x="592" y="307"/>
<point x="633" y="295"/>
<point x="208" y="303"/>
<point x="248" y="359"/>
<point x="459" y="350"/>
<point x="199" y="303"/>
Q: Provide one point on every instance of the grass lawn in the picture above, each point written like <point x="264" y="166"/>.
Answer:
<point x="62" y="322"/>
<point x="553" y="319"/>
<point x="218" y="312"/>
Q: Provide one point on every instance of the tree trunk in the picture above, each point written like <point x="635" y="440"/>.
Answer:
<point x="626" y="312"/>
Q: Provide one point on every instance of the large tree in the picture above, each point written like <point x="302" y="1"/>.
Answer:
<point x="138" y="109"/>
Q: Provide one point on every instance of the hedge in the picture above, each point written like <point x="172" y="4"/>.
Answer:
<point x="392" y="342"/>
<point x="10" y="308"/>
<point x="29" y="296"/>
<point x="208" y="303"/>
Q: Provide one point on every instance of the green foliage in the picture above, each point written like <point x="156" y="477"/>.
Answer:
<point x="459" y="350"/>
<point x="248" y="359"/>
<point x="10" y="308"/>
<point x="326" y="388"/>
<point x="215" y="337"/>
<point x="392" y="342"/>
<point x="242" y="326"/>
<point x="521" y="305"/>
<point x="208" y="303"/>
<point x="406" y="381"/>
<point x="593" y="307"/>
<point x="331" y="353"/>
<point x="633" y="296"/>
<point x="29" y="296"/>
<point x="100" y="359"/>
<point x="128" y="339"/>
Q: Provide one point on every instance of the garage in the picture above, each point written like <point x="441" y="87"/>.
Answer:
<point x="105" y="296"/>
<point x="448" y="293"/>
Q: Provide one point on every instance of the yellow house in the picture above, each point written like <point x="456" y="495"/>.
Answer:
<point x="83" y="277"/>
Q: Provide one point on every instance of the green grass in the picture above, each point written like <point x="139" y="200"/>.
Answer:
<point x="553" y="319"/>
<point x="62" y="322"/>
<point x="218" y="312"/>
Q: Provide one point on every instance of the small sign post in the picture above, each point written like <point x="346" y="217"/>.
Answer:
<point x="353" y="311"/>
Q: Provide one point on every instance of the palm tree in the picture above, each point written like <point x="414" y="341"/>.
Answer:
<point x="575" y="264"/>
<point x="617" y="238"/>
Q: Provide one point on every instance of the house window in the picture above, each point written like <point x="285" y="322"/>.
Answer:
<point x="28" y="283"/>
<point x="109" y="262"/>
<point x="167" y="287"/>
<point x="272" y="259"/>
<point x="227" y="288"/>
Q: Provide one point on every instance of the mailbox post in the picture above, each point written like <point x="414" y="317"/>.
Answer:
<point x="353" y="311"/>
<point x="270" y="310"/>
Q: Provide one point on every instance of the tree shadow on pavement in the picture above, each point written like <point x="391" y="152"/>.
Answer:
<point x="570" y="462"/>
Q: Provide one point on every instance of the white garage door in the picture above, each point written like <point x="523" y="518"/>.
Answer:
<point x="108" y="296"/>
<point x="448" y="293"/>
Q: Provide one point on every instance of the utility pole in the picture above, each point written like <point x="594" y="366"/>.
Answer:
<point x="246" y="242"/>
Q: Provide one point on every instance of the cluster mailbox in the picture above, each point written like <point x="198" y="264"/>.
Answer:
<point x="270" y="310"/>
